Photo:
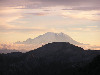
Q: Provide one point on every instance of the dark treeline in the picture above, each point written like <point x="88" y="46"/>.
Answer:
<point x="52" y="59"/>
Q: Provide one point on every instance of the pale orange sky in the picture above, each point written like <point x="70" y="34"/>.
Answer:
<point x="20" y="20"/>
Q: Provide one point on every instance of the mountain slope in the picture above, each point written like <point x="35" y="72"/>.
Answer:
<point x="64" y="51"/>
<point x="57" y="58"/>
<point x="50" y="37"/>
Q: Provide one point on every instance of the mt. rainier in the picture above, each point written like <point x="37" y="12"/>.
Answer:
<point x="50" y="37"/>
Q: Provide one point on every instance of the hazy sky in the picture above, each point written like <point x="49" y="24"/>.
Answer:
<point x="22" y="19"/>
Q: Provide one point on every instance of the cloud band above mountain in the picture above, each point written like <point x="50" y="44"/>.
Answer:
<point x="31" y="4"/>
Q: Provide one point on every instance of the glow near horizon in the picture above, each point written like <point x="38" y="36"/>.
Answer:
<point x="18" y="22"/>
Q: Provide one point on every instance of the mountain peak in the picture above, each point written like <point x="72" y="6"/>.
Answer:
<point x="50" y="37"/>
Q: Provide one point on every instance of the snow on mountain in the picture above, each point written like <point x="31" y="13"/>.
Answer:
<point x="50" y="37"/>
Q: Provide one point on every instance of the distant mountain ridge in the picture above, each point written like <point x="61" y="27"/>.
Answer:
<point x="50" y="37"/>
<point x="7" y="51"/>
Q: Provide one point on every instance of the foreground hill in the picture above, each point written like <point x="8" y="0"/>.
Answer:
<point x="57" y="58"/>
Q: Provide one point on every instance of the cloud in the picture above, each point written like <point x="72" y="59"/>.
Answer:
<point x="20" y="30"/>
<point x="8" y="29"/>
<point x="38" y="14"/>
<point x="28" y="47"/>
<point x="81" y="29"/>
<point x="92" y="26"/>
<point x="19" y="46"/>
<point x="16" y="8"/>
<point x="8" y="15"/>
<point x="31" y="4"/>
<point x="95" y="47"/>
<point x="98" y="14"/>
<point x="85" y="29"/>
<point x="83" y="8"/>
<point x="82" y="15"/>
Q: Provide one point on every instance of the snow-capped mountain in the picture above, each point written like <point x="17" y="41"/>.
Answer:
<point x="50" y="37"/>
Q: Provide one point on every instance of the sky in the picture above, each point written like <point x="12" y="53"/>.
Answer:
<point x="23" y="19"/>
